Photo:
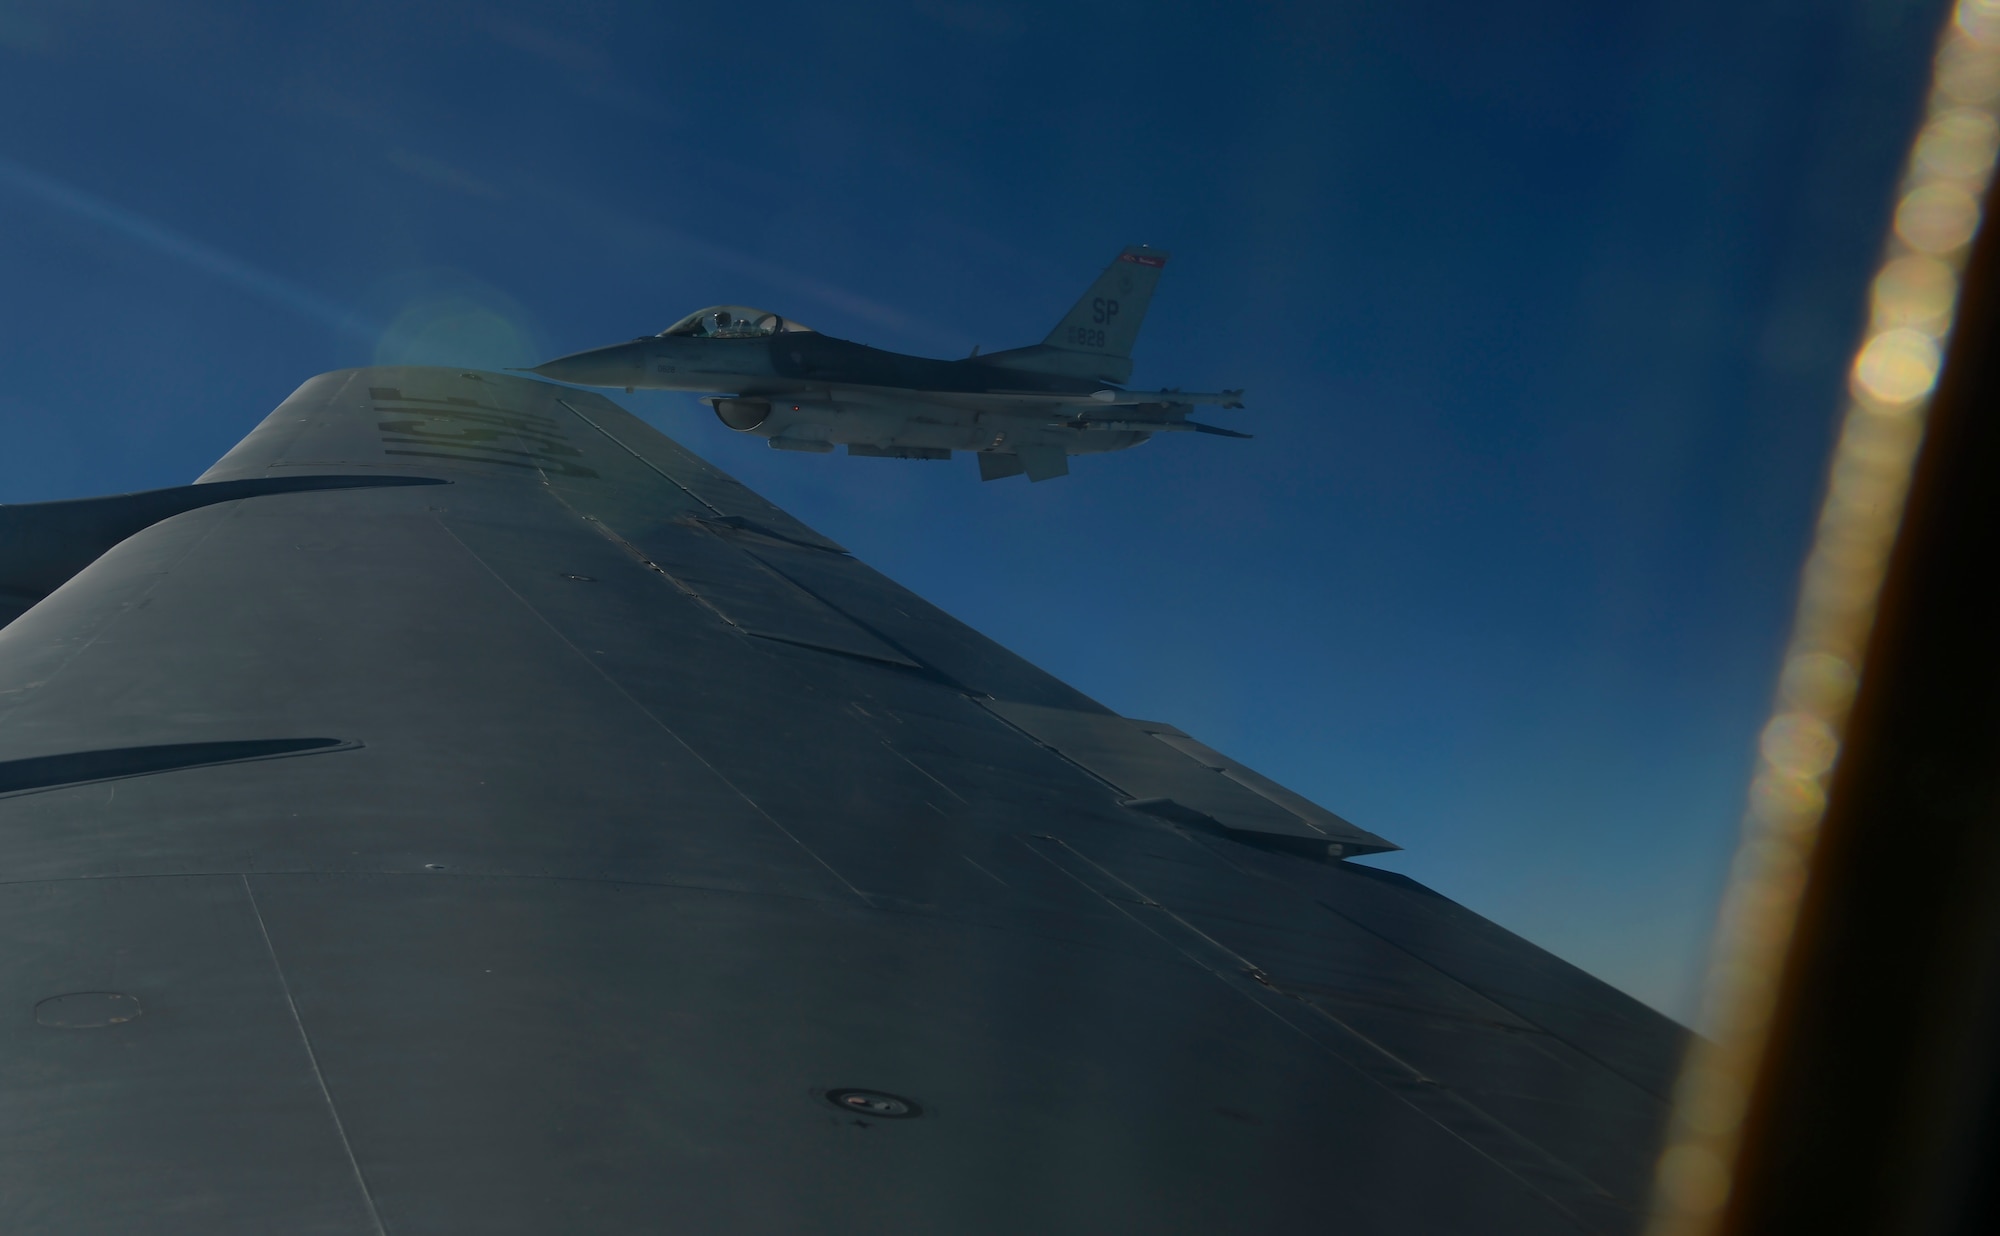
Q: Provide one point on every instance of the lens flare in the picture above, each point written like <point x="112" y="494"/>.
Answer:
<point x="1895" y="372"/>
<point x="465" y="327"/>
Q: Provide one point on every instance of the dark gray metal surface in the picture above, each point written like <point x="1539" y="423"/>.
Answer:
<point x="532" y="853"/>
<point x="43" y="544"/>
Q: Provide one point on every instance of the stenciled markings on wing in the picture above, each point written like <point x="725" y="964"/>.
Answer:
<point x="471" y="432"/>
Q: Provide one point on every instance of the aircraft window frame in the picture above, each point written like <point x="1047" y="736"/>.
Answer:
<point x="742" y="322"/>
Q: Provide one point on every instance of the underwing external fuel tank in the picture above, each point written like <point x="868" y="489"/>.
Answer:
<point x="1023" y="410"/>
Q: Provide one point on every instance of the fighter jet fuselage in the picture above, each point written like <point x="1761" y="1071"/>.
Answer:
<point x="1023" y="410"/>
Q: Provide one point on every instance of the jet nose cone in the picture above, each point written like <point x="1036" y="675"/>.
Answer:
<point x="562" y="369"/>
<point x="613" y="366"/>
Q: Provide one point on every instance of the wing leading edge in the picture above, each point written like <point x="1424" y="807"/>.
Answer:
<point x="582" y="841"/>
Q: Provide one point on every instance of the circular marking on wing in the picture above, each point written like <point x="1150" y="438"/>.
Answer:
<point x="877" y="1103"/>
<point x="87" y="1010"/>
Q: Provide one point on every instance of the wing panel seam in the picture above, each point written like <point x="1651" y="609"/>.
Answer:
<point x="312" y="1058"/>
<point x="1563" y="1187"/>
<point x="655" y="719"/>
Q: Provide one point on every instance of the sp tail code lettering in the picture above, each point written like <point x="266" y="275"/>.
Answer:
<point x="1102" y="310"/>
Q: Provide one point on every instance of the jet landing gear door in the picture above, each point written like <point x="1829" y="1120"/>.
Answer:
<point x="994" y="465"/>
<point x="1041" y="463"/>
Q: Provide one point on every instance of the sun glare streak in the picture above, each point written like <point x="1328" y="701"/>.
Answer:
<point x="1894" y="373"/>
<point x="187" y="250"/>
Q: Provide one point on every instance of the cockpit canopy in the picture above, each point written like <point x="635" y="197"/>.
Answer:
<point x="734" y="322"/>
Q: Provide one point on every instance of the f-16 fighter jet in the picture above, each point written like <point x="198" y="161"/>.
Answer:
<point x="1022" y="410"/>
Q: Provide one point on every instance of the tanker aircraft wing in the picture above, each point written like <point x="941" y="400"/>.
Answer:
<point x="464" y="810"/>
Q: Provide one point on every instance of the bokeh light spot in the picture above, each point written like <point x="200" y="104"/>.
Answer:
<point x="1800" y="745"/>
<point x="1937" y="218"/>
<point x="1913" y="290"/>
<point x="1898" y="365"/>
<point x="1980" y="20"/>
<point x="1958" y="143"/>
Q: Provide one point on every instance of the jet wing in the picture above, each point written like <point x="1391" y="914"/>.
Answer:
<point x="1115" y="397"/>
<point x="1117" y="411"/>
<point x="574" y="842"/>
<point x="1104" y="402"/>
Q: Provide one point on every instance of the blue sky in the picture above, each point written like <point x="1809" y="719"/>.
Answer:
<point x="1542" y="309"/>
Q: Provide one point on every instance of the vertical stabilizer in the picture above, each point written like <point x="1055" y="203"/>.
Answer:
<point x="1095" y="338"/>
<point x="1106" y="321"/>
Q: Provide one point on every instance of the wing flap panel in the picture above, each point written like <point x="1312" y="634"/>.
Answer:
<point x="1131" y="756"/>
<point x="972" y="661"/>
<point x="1257" y="783"/>
<point x="750" y="596"/>
<point x="715" y="489"/>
